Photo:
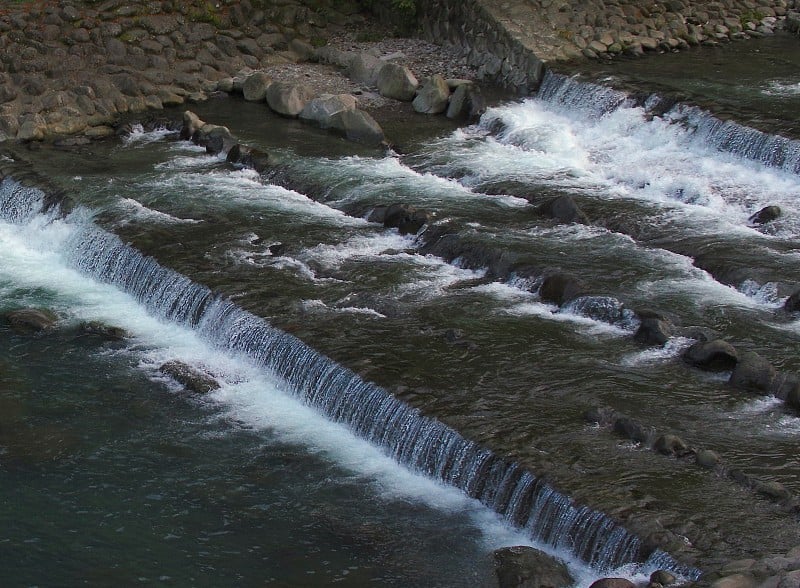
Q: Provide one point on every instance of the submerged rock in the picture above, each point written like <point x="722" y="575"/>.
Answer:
<point x="31" y="320"/>
<point x="766" y="215"/>
<point x="792" y="303"/>
<point x="712" y="356"/>
<point x="407" y="219"/>
<point x="560" y="288"/>
<point x="102" y="330"/>
<point x="652" y="330"/>
<point x="753" y="372"/>
<point x="248" y="157"/>
<point x="613" y="583"/>
<point x="563" y="209"/>
<point x="190" y="377"/>
<point x="526" y="567"/>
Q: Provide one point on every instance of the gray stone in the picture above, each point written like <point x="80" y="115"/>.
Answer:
<point x="33" y="128"/>
<point x="248" y="157"/>
<point x="432" y="97"/>
<point x="365" y="68"/>
<point x="671" y="445"/>
<point x="559" y="288"/>
<point x="191" y="378"/>
<point x="397" y="81"/>
<point x="707" y="459"/>
<point x="526" y="567"/>
<point x="735" y="581"/>
<point x="358" y="126"/>
<point x="612" y="583"/>
<point x="321" y="109"/>
<point x="255" y="87"/>
<point x="466" y="102"/>
<point x="753" y="372"/>
<point x="31" y="320"/>
<point x="288" y="99"/>
<point x="715" y="356"/>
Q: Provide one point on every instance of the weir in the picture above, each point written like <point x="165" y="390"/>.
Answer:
<point x="725" y="135"/>
<point x="416" y="441"/>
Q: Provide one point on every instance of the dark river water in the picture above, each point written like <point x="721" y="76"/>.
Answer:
<point x="113" y="473"/>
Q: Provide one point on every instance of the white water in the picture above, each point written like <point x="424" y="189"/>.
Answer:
<point x="621" y="155"/>
<point x="32" y="269"/>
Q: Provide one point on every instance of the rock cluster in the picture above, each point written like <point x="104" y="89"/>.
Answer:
<point x="69" y="68"/>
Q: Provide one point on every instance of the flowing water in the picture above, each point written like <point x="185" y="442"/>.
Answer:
<point x="391" y="410"/>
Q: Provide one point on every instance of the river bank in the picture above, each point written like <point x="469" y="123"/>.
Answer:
<point x="73" y="69"/>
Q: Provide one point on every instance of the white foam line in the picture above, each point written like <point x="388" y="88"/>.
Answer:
<point x="143" y="211"/>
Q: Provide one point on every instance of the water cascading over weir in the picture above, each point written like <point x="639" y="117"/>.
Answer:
<point x="420" y="443"/>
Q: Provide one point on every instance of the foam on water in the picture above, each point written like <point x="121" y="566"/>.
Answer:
<point x="138" y="137"/>
<point x="143" y="212"/>
<point x="621" y="153"/>
<point x="244" y="187"/>
<point x="517" y="301"/>
<point x="320" y="306"/>
<point x="32" y="256"/>
<point x="782" y="88"/>
<point x="390" y="175"/>
<point x="672" y="349"/>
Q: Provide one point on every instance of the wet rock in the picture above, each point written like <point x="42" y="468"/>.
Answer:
<point x="793" y="397"/>
<point x="466" y="103"/>
<point x="601" y="415"/>
<point x="663" y="577"/>
<point x="102" y="331"/>
<point x="632" y="430"/>
<point x="254" y="88"/>
<point x="671" y="445"/>
<point x="773" y="490"/>
<point x="735" y="581"/>
<point x="765" y="215"/>
<point x="792" y="303"/>
<point x="358" y="126"/>
<point x="432" y="97"/>
<point x="406" y="219"/>
<point x="707" y="459"/>
<point x="215" y="138"/>
<point x="753" y="372"/>
<point x="652" y="330"/>
<point x="713" y="356"/>
<point x="526" y="567"/>
<point x="563" y="209"/>
<point x="191" y="378"/>
<point x="31" y="320"/>
<point x="397" y="81"/>
<point x="248" y="157"/>
<point x="321" y="109"/>
<point x="288" y="99"/>
<point x="612" y="583"/>
<point x="560" y="288"/>
<point x="191" y="124"/>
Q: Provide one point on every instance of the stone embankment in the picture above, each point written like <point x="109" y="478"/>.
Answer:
<point x="72" y="69"/>
<point x="511" y="40"/>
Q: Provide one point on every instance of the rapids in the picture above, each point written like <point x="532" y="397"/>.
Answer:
<point x="385" y="414"/>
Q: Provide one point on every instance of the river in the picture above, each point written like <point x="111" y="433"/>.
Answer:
<point x="298" y="471"/>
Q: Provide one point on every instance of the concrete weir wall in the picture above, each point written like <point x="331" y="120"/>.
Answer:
<point x="499" y="50"/>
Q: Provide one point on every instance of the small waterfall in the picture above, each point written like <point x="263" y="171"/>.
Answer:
<point x="572" y="93"/>
<point x="727" y="136"/>
<point x="20" y="203"/>
<point x="421" y="443"/>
